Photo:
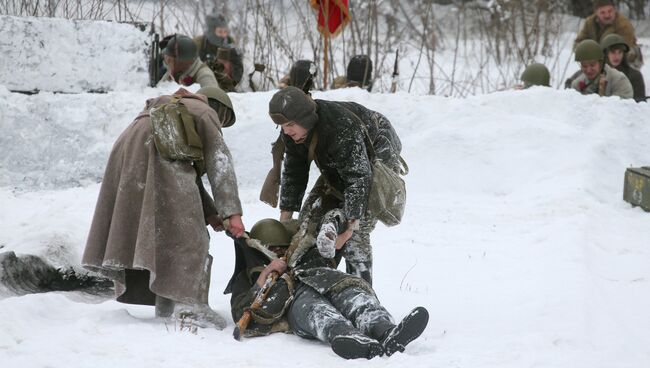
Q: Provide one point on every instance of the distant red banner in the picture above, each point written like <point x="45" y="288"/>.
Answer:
<point x="334" y="13"/>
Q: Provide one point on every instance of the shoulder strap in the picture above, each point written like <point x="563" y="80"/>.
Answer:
<point x="311" y="155"/>
<point x="404" y="168"/>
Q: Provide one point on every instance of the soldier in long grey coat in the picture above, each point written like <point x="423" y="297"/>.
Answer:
<point x="148" y="233"/>
<point x="338" y="137"/>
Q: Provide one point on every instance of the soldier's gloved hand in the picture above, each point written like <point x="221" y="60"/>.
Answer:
<point x="326" y="240"/>
<point x="235" y="226"/>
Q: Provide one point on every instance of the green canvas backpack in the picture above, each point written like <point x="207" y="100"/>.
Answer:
<point x="175" y="135"/>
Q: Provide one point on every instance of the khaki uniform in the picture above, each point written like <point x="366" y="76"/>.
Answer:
<point x="617" y="84"/>
<point x="199" y="73"/>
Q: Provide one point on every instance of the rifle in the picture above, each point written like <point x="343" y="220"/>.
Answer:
<point x="153" y="61"/>
<point x="393" y="84"/>
<point x="271" y="186"/>
<point x="260" y="297"/>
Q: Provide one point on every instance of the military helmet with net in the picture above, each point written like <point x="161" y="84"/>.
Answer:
<point x="588" y="50"/>
<point x="223" y="105"/>
<point x="536" y="75"/>
<point x="613" y="39"/>
<point x="270" y="232"/>
<point x="181" y="48"/>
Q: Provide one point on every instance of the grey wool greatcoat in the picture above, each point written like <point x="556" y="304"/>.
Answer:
<point x="148" y="232"/>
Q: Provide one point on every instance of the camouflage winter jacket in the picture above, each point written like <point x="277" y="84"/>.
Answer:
<point x="342" y="153"/>
<point x="306" y="268"/>
<point x="250" y="259"/>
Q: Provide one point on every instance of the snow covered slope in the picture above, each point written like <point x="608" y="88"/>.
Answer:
<point x="516" y="237"/>
<point x="53" y="54"/>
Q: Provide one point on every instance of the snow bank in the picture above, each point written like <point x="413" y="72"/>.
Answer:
<point x="52" y="54"/>
<point x="515" y="236"/>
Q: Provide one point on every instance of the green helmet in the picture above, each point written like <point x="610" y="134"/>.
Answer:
<point x="217" y="94"/>
<point x="536" y="75"/>
<point x="181" y="48"/>
<point x="227" y="114"/>
<point x="613" y="39"/>
<point x="270" y="232"/>
<point x="589" y="50"/>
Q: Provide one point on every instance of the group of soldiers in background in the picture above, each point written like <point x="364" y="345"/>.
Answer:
<point x="608" y="54"/>
<point x="606" y="48"/>
<point x="212" y="59"/>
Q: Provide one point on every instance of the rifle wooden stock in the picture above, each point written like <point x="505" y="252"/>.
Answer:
<point x="260" y="297"/>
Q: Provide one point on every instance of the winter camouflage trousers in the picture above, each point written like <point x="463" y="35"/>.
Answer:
<point x="353" y="311"/>
<point x="357" y="251"/>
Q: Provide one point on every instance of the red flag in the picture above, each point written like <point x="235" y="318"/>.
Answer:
<point x="334" y="13"/>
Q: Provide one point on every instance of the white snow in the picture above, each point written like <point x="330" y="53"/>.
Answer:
<point x="515" y="236"/>
<point x="59" y="55"/>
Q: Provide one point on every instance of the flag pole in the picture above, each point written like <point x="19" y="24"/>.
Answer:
<point x="326" y="40"/>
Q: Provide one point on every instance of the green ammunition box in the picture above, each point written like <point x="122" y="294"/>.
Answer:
<point x="636" y="189"/>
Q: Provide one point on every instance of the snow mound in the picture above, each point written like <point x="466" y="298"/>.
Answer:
<point x="515" y="235"/>
<point x="52" y="54"/>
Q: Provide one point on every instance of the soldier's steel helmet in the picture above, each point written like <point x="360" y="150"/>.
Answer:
<point x="182" y="48"/>
<point x="613" y="39"/>
<point x="228" y="118"/>
<point x="589" y="50"/>
<point x="217" y="94"/>
<point x="536" y="75"/>
<point x="270" y="232"/>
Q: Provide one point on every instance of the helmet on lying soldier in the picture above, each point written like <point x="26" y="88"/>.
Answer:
<point x="271" y="232"/>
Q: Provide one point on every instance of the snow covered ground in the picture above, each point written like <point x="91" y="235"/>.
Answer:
<point x="515" y="238"/>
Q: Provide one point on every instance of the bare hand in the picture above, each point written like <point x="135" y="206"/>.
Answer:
<point x="347" y="234"/>
<point x="235" y="226"/>
<point x="602" y="83"/>
<point x="216" y="222"/>
<point x="286" y="215"/>
<point x="342" y="238"/>
<point x="276" y="265"/>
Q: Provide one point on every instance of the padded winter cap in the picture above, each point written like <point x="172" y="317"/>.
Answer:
<point x="292" y="104"/>
<point x="181" y="48"/>
<point x="601" y="3"/>
<point x="215" y="20"/>
<point x="360" y="70"/>
<point x="302" y="74"/>
<point x="613" y="39"/>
